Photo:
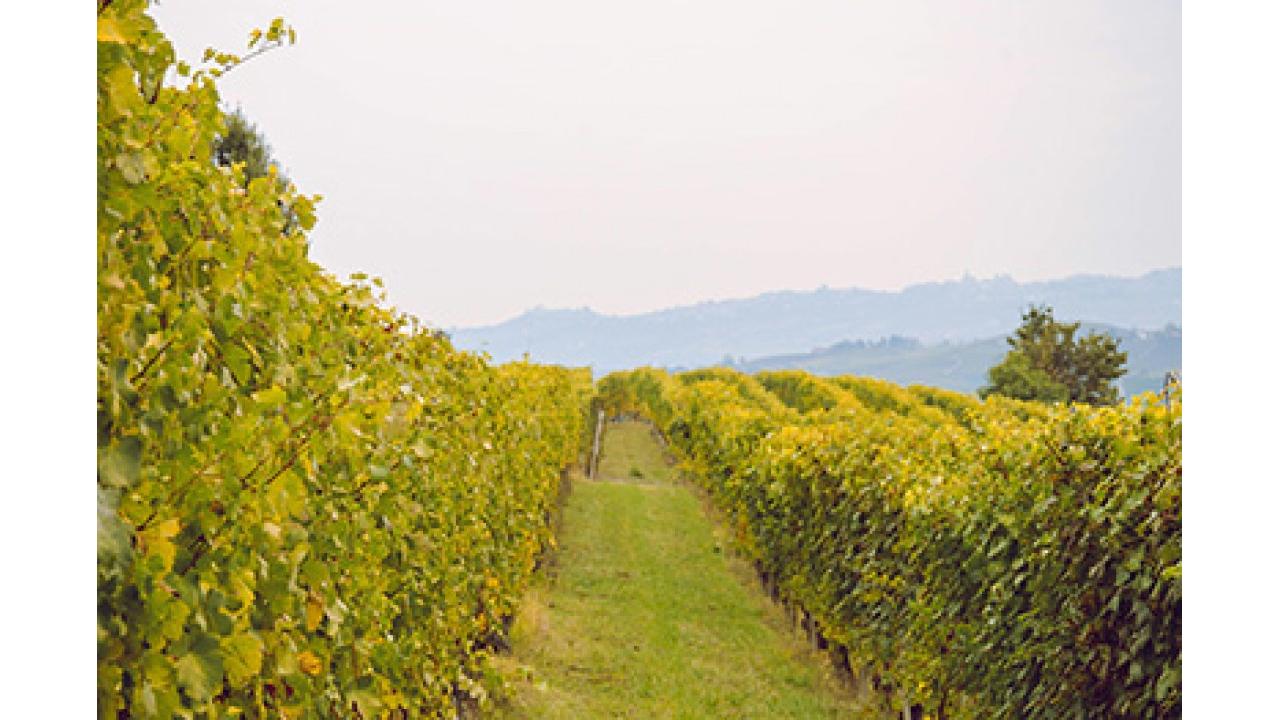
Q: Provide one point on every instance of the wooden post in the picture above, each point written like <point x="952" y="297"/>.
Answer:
<point x="1171" y="378"/>
<point x="595" y="446"/>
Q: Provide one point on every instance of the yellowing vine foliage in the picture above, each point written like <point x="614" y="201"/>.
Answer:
<point x="993" y="559"/>
<point x="308" y="505"/>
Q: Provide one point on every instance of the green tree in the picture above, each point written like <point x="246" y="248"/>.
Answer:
<point x="241" y="142"/>
<point x="1048" y="363"/>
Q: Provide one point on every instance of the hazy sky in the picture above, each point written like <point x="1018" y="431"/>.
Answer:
<point x="487" y="157"/>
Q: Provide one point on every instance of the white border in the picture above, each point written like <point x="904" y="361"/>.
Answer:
<point x="1231" y="196"/>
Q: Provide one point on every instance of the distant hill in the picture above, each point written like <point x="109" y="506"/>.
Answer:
<point x="963" y="366"/>
<point x="958" y="311"/>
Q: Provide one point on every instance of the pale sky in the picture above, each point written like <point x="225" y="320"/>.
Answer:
<point x="487" y="157"/>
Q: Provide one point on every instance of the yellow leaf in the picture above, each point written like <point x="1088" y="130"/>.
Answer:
<point x="273" y="395"/>
<point x="309" y="663"/>
<point x="156" y="541"/>
<point x="166" y="529"/>
<point x="315" y="613"/>
<point x="241" y="590"/>
<point x="109" y="31"/>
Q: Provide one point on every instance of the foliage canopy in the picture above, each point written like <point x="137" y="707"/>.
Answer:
<point x="308" y="506"/>
<point x="994" y="559"/>
<point x="1048" y="363"/>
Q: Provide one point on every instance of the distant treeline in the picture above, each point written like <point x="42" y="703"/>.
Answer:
<point x="962" y="366"/>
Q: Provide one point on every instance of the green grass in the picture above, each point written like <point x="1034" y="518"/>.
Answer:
<point x="630" y="451"/>
<point x="643" y="616"/>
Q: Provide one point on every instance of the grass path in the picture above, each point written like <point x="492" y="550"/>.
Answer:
<point x="643" y="616"/>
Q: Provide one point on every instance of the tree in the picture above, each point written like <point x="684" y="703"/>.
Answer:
<point x="1048" y="363"/>
<point x="243" y="142"/>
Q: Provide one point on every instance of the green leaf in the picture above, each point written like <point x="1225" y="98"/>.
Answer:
<point x="1169" y="679"/>
<point x="194" y="678"/>
<point x="242" y="657"/>
<point x="123" y="95"/>
<point x="238" y="362"/>
<point x="113" y="536"/>
<point x="172" y="618"/>
<point x="273" y="395"/>
<point x="123" y="462"/>
<point x="368" y="703"/>
<point x="132" y="166"/>
<point x="287" y="495"/>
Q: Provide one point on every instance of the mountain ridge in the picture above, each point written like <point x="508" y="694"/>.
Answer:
<point x="789" y="321"/>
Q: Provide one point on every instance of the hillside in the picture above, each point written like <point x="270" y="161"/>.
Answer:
<point x="960" y="311"/>
<point x="962" y="366"/>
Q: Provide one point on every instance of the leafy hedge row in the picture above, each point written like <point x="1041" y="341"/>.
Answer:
<point x="308" y="506"/>
<point x="987" y="559"/>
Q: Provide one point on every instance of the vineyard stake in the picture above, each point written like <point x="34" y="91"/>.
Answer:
<point x="595" y="446"/>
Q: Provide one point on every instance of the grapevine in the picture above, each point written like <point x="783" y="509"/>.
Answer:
<point x="989" y="558"/>
<point x="309" y="506"/>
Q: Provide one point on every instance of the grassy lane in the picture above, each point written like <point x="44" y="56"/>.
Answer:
<point x="643" y="617"/>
